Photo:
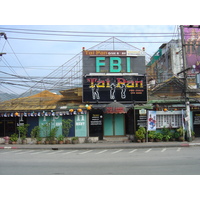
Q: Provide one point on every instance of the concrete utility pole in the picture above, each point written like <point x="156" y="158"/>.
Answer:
<point x="187" y="102"/>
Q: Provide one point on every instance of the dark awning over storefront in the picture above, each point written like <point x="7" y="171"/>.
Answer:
<point x="115" y="108"/>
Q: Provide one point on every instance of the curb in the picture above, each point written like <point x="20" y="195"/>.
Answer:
<point x="56" y="147"/>
<point x="194" y="144"/>
<point x="8" y="148"/>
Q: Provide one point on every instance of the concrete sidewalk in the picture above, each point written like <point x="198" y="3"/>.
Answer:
<point x="103" y="145"/>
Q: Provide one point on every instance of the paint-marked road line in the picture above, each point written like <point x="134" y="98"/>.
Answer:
<point x="117" y="151"/>
<point x="45" y="151"/>
<point x="163" y="150"/>
<point x="34" y="153"/>
<point x="178" y="149"/>
<point x="101" y="152"/>
<point x="69" y="152"/>
<point x="85" y="152"/>
<point x="133" y="151"/>
<point x="147" y="151"/>
<point x="16" y="151"/>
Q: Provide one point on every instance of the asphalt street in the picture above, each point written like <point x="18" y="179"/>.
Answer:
<point x="135" y="161"/>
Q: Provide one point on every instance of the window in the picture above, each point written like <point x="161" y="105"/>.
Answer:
<point x="168" y="120"/>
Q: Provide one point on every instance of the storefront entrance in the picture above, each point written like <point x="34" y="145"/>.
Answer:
<point x="114" y="125"/>
<point x="196" y="123"/>
<point x="7" y="126"/>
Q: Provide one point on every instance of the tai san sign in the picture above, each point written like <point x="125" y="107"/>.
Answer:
<point x="120" y="88"/>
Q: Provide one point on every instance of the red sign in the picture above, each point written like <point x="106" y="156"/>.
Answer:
<point x="115" y="110"/>
<point x="104" y="53"/>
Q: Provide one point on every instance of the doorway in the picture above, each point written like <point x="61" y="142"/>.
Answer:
<point x="114" y="125"/>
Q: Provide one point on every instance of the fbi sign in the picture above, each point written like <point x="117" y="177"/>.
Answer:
<point x="113" y="62"/>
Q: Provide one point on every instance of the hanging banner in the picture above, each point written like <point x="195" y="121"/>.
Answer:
<point x="151" y="126"/>
<point x="192" y="41"/>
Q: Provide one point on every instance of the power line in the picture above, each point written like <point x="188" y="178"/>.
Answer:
<point x="92" y="32"/>
<point x="87" y="41"/>
<point x="69" y="35"/>
<point x="18" y="59"/>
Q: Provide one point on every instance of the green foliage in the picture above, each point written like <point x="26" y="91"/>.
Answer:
<point x="14" y="137"/>
<point x="176" y="135"/>
<point x="46" y="129"/>
<point x="166" y="133"/>
<point x="142" y="130"/>
<point x="38" y="139"/>
<point x="35" y="132"/>
<point x="74" y="138"/>
<point x="23" y="130"/>
<point x="192" y="133"/>
<point x="181" y="131"/>
<point x="66" y="125"/>
<point x="60" y="138"/>
<point x="53" y="132"/>
<point x="140" y="133"/>
<point x="151" y="134"/>
<point x="159" y="136"/>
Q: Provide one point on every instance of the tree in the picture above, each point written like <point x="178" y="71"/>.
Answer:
<point x="66" y="125"/>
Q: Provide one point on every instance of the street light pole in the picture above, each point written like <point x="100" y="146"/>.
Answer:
<point x="187" y="102"/>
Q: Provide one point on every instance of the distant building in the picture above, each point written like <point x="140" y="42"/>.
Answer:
<point x="166" y="62"/>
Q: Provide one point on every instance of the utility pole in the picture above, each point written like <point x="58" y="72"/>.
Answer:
<point x="5" y="37"/>
<point x="187" y="102"/>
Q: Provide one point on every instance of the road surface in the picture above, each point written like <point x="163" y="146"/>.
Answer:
<point x="149" y="161"/>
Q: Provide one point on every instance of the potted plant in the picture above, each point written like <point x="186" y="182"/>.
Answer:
<point x="75" y="140"/>
<point x="46" y="131"/>
<point x="165" y="131"/>
<point x="47" y="140"/>
<point x="158" y="137"/>
<point x="140" y="134"/>
<point x="60" y="139"/>
<point x="172" y="136"/>
<point x="14" y="138"/>
<point x="166" y="137"/>
<point x="193" y="135"/>
<point x="66" y="125"/>
<point x="52" y="135"/>
<point x="23" y="130"/>
<point x="151" y="136"/>
<point x="39" y="140"/>
<point x="181" y="132"/>
<point x="35" y="132"/>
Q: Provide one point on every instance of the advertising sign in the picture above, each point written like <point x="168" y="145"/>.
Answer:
<point x="151" y="126"/>
<point x="113" y="62"/>
<point x="110" y="88"/>
<point x="192" y="41"/>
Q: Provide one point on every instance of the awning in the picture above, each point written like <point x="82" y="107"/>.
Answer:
<point x="115" y="108"/>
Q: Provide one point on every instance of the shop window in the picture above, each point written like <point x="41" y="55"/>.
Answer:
<point x="173" y="121"/>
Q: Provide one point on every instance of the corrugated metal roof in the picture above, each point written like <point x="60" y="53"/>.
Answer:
<point x="44" y="100"/>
